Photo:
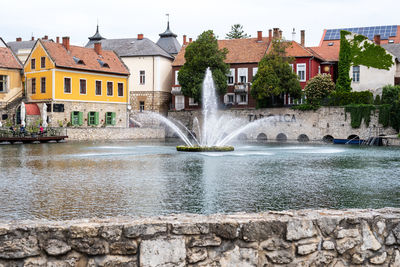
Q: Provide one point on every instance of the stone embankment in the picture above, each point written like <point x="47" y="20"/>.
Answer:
<point x="114" y="133"/>
<point x="288" y="238"/>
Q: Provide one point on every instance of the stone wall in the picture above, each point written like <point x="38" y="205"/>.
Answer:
<point x="153" y="101"/>
<point x="288" y="238"/>
<point x="325" y="121"/>
<point x="113" y="133"/>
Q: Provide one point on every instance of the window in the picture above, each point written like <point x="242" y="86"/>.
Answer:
<point x="192" y="102"/>
<point x="179" y="102"/>
<point x="58" y="107"/>
<point x="93" y="118"/>
<point x="110" y="88"/>
<point x="33" y="83"/>
<point x="255" y="70"/>
<point x="301" y="72"/>
<point x="243" y="73"/>
<point x="120" y="89"/>
<point x="356" y="74"/>
<point x="176" y="77"/>
<point x="110" y="118"/>
<point x="231" y="76"/>
<point x="141" y="106"/>
<point x="98" y="87"/>
<point x="43" y="62"/>
<point x="43" y="85"/>
<point x="142" y="77"/>
<point x="33" y="64"/>
<point x="229" y="98"/>
<point x="67" y="85"/>
<point x="3" y="83"/>
<point x="242" y="99"/>
<point x="82" y="86"/>
<point x="77" y="118"/>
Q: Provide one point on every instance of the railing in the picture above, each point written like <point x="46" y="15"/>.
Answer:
<point x="176" y="90"/>
<point x="241" y="88"/>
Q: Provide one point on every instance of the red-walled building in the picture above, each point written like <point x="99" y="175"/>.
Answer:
<point x="243" y="57"/>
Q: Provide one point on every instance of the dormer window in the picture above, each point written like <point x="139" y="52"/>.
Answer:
<point x="103" y="64"/>
<point x="78" y="61"/>
<point x="391" y="41"/>
<point x="330" y="44"/>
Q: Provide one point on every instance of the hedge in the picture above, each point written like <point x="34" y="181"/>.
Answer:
<point x="348" y="98"/>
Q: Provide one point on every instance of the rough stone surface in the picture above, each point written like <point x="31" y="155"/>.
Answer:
<point x="111" y="133"/>
<point x="284" y="238"/>
<point x="163" y="252"/>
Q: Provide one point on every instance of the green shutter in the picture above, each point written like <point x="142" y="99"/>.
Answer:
<point x="96" y="118"/>
<point x="88" y="119"/>
<point x="72" y="118"/>
<point x="80" y="118"/>
<point x="113" y="120"/>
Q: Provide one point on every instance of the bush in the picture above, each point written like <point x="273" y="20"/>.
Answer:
<point x="390" y="94"/>
<point x="306" y="107"/>
<point x="377" y="100"/>
<point x="348" y="98"/>
<point x="319" y="87"/>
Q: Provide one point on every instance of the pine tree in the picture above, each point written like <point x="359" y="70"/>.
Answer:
<point x="237" y="32"/>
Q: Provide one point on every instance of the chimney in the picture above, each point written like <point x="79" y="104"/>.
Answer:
<point x="270" y="35"/>
<point x="45" y="37"/>
<point x="65" y="42"/>
<point x="259" y="36"/>
<point x="303" y="37"/>
<point x="97" y="48"/>
<point x="190" y="40"/>
<point x="140" y="36"/>
<point x="377" y="39"/>
<point x="280" y="34"/>
<point x="276" y="33"/>
<point x="19" y="39"/>
<point x="58" y="39"/>
<point x="184" y="39"/>
<point x="33" y="38"/>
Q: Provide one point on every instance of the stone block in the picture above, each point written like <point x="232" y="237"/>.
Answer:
<point x="90" y="246"/>
<point x="307" y="249"/>
<point x="113" y="261"/>
<point x="18" y="248"/>
<point x="83" y="230"/>
<point x="144" y="230"/>
<point x="390" y="239"/>
<point x="328" y="245"/>
<point x="204" y="241"/>
<point x="327" y="225"/>
<point x="55" y="247"/>
<point x="190" y="228"/>
<point x="342" y="233"/>
<point x="111" y="232"/>
<point x="379" y="259"/>
<point x="396" y="231"/>
<point x="357" y="258"/>
<point x="125" y="247"/>
<point x="243" y="257"/>
<point x="262" y="230"/>
<point x="163" y="252"/>
<point x="274" y="243"/>
<point x="345" y="244"/>
<point x="300" y="229"/>
<point x="229" y="230"/>
<point x="280" y="256"/>
<point x="368" y="239"/>
<point x="196" y="254"/>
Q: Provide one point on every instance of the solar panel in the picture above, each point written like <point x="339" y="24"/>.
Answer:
<point x="384" y="31"/>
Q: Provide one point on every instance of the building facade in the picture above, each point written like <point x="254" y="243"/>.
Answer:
<point x="81" y="86"/>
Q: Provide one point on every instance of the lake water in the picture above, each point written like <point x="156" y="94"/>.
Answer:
<point x="78" y="180"/>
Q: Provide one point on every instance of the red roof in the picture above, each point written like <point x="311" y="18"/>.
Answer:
<point x="32" y="109"/>
<point x="8" y="60"/>
<point x="90" y="58"/>
<point x="239" y="51"/>
<point x="329" y="53"/>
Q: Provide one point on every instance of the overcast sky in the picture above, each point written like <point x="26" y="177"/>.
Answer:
<point x="127" y="18"/>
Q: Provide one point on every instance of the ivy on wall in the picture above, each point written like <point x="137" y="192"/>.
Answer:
<point x="358" y="113"/>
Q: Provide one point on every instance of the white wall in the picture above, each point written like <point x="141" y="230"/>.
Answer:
<point x="373" y="79"/>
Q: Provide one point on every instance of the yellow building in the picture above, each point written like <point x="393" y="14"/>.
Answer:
<point x="11" y="91"/>
<point x="81" y="86"/>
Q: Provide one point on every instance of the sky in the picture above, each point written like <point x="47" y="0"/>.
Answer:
<point x="127" y="18"/>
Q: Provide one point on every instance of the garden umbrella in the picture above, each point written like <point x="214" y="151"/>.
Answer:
<point x="44" y="116"/>
<point x="23" y="111"/>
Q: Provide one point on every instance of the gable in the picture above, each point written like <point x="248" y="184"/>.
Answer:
<point x="37" y="53"/>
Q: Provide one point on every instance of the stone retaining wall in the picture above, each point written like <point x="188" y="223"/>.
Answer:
<point x="113" y="133"/>
<point x="288" y="238"/>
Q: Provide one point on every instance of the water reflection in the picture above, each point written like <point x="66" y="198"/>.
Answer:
<point x="75" y="180"/>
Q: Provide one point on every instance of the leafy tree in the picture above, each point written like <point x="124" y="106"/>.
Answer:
<point x="237" y="32"/>
<point x="200" y="55"/>
<point x="355" y="49"/>
<point x="275" y="76"/>
<point x="319" y="87"/>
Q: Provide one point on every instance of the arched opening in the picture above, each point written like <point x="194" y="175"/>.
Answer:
<point x="242" y="136"/>
<point x="281" y="137"/>
<point x="18" y="115"/>
<point x="262" y="137"/>
<point x="328" y="138"/>
<point x="303" y="138"/>
<point x="353" y="137"/>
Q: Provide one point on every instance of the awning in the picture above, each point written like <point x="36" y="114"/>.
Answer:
<point x="32" y="109"/>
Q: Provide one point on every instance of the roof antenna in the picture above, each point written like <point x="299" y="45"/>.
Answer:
<point x="167" y="20"/>
<point x="293" y="34"/>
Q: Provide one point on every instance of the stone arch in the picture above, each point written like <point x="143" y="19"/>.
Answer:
<point x="328" y="138"/>
<point x="262" y="137"/>
<point x="281" y="137"/>
<point x="242" y="136"/>
<point x="303" y="138"/>
<point x="353" y="137"/>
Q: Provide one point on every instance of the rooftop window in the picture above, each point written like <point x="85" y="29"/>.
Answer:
<point x="78" y="61"/>
<point x="103" y="64"/>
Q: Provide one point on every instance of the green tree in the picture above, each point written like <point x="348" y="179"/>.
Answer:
<point x="200" y="55"/>
<point x="319" y="87"/>
<point x="343" y="83"/>
<point x="236" y="32"/>
<point x="275" y="76"/>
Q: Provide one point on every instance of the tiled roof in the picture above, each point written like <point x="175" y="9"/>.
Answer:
<point x="22" y="45"/>
<point x="239" y="51"/>
<point x="132" y="47"/>
<point x="90" y="58"/>
<point x="8" y="60"/>
<point x="295" y="49"/>
<point x="329" y="53"/>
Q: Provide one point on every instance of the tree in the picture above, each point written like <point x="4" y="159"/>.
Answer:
<point x="237" y="32"/>
<point x="318" y="87"/>
<point x="200" y="55"/>
<point x="274" y="75"/>
<point x="356" y="49"/>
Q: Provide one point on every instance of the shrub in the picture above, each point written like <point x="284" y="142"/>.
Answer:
<point x="306" y="106"/>
<point x="348" y="98"/>
<point x="390" y="94"/>
<point x="377" y="100"/>
<point x="319" y="87"/>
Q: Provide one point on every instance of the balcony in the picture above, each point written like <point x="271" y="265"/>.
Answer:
<point x="241" y="87"/>
<point x="176" y="90"/>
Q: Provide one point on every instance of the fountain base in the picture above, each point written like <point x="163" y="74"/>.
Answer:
<point x="205" y="148"/>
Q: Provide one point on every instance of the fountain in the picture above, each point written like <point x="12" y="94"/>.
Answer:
<point x="216" y="129"/>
